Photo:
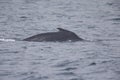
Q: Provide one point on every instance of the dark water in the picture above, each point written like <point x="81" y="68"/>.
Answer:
<point x="94" y="20"/>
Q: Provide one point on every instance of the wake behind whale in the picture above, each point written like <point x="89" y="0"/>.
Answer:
<point x="60" y="36"/>
<point x="7" y="40"/>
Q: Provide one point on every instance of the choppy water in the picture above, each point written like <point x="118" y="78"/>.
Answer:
<point x="94" y="20"/>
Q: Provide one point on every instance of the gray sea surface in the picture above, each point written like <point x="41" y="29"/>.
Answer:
<point x="95" y="20"/>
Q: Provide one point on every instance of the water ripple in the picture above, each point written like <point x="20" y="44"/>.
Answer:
<point x="66" y="74"/>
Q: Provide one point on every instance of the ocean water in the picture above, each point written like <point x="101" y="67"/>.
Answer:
<point x="94" y="20"/>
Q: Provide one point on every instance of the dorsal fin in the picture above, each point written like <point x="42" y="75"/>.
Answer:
<point x="60" y="29"/>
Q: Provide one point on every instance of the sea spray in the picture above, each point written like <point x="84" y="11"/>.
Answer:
<point x="6" y="40"/>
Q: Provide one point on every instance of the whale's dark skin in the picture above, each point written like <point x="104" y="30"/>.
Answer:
<point x="60" y="36"/>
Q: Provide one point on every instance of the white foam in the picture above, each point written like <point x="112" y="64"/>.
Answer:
<point x="7" y="40"/>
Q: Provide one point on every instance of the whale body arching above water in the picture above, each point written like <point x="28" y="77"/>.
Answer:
<point x="60" y="36"/>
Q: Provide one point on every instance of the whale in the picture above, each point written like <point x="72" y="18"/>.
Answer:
<point x="60" y="36"/>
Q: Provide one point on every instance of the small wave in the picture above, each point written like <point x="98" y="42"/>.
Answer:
<point x="107" y="40"/>
<point x="7" y="40"/>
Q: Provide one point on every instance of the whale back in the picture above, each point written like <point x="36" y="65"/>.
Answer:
<point x="60" y="36"/>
